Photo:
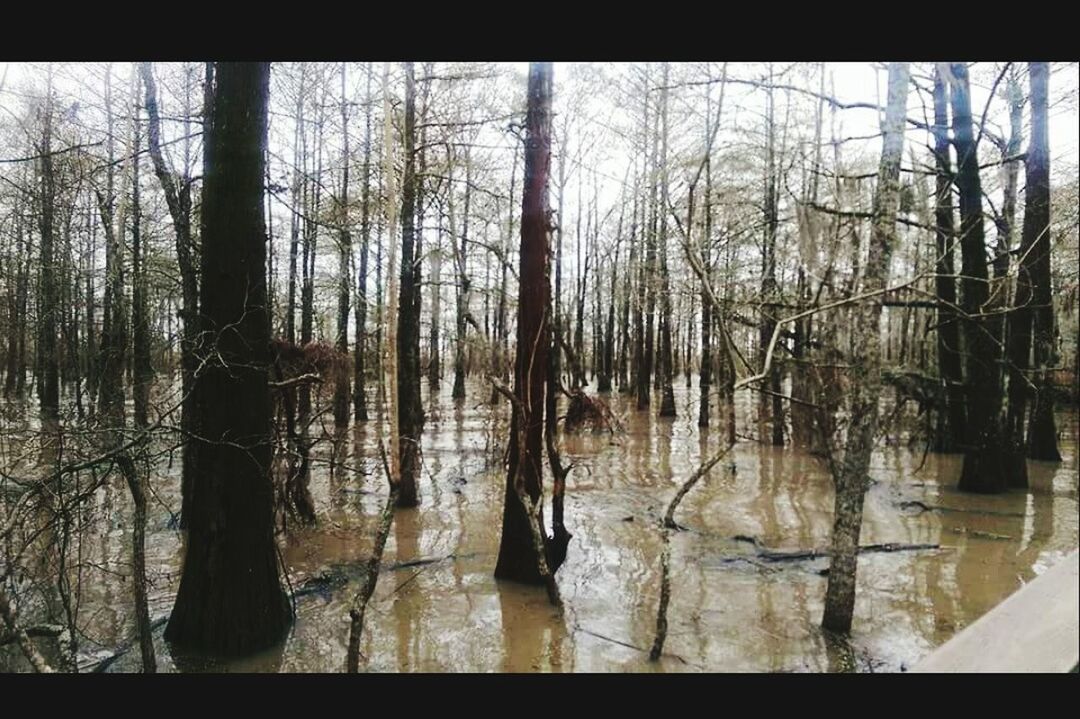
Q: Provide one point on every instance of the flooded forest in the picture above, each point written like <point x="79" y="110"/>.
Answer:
<point x="531" y="367"/>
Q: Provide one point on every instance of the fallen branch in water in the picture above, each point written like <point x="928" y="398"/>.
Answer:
<point x="360" y="602"/>
<point x="665" y="557"/>
<point x="922" y="506"/>
<point x="665" y="597"/>
<point x="628" y="645"/>
<point x="981" y="534"/>
<point x="38" y="630"/>
<point x="800" y="554"/>
<point x="701" y="471"/>
<point x="420" y="562"/>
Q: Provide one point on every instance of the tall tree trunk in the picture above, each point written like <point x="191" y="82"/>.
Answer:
<point x="140" y="321"/>
<point x="802" y="410"/>
<point x="628" y="360"/>
<point x="388" y="365"/>
<point x="500" y="348"/>
<point x="23" y="299"/>
<point x="646" y="295"/>
<point x="465" y="286"/>
<point x="143" y="375"/>
<point x="665" y="365"/>
<point x="1042" y="434"/>
<point x="114" y="318"/>
<point x="952" y="422"/>
<point x="360" y="413"/>
<point x="1006" y="222"/>
<point x="299" y="164"/>
<point x="523" y="526"/>
<point x="177" y="190"/>
<point x="852" y="479"/>
<point x="230" y="600"/>
<point x="625" y="370"/>
<point x="312" y="213"/>
<point x="705" y="372"/>
<point x="987" y="464"/>
<point x="770" y="408"/>
<point x="1020" y="318"/>
<point x="341" y="384"/>
<point x="49" y="367"/>
<point x="410" y="412"/>
<point x="16" y="338"/>
<point x="435" y="336"/>
<point x="607" y="373"/>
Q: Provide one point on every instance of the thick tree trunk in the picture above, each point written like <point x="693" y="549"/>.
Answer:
<point x="230" y="600"/>
<point x="853" y="480"/>
<point x="987" y="463"/>
<point x="518" y="558"/>
<point x="1042" y="434"/>
<point x="952" y="422"/>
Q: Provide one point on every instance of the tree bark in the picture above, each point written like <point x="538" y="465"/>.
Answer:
<point x="665" y="365"/>
<point x="49" y="368"/>
<point x="523" y="525"/>
<point x="140" y="321"/>
<point x="644" y="315"/>
<point x="464" y="286"/>
<point x="410" y="412"/>
<point x="230" y="600"/>
<point x="770" y="408"/>
<point x="952" y="423"/>
<point x="1042" y="434"/>
<point x="852" y="479"/>
<point x="178" y="198"/>
<point x="987" y="463"/>
<point x="360" y="413"/>
<point x="342" y="387"/>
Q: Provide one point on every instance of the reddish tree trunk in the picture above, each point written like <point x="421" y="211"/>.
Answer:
<point x="517" y="554"/>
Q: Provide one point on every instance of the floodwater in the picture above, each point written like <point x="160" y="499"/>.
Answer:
<point x="437" y="607"/>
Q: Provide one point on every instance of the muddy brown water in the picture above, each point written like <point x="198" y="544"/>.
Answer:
<point x="730" y="611"/>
